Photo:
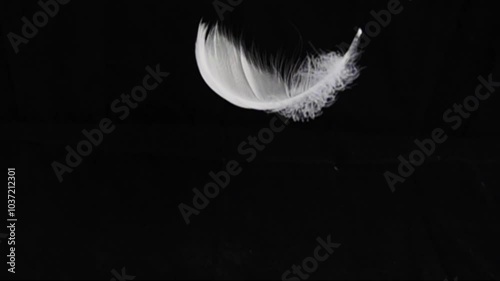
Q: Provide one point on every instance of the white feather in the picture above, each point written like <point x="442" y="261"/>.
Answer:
<point x="246" y="81"/>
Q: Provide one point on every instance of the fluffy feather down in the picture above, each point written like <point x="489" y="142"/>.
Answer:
<point x="246" y="81"/>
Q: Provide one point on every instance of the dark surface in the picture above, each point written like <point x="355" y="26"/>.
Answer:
<point x="120" y="207"/>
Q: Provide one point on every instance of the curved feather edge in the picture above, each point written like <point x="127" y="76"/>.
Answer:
<point x="249" y="82"/>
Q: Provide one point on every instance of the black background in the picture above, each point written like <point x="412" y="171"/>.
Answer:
<point x="119" y="208"/>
